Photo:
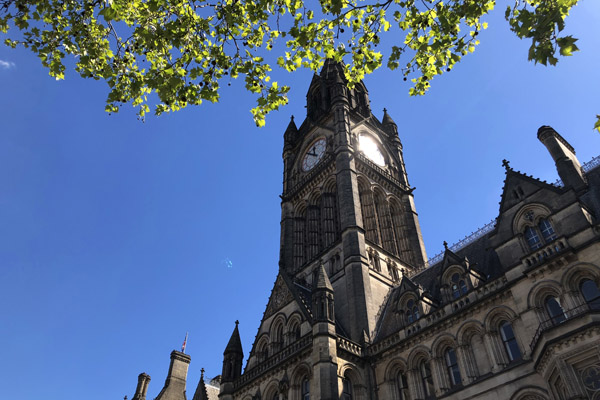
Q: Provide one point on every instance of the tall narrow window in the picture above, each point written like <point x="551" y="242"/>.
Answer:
<point x="591" y="293"/>
<point x="313" y="222"/>
<point x="510" y="342"/>
<point x="555" y="311"/>
<point x="400" y="232"/>
<point x="402" y="386"/>
<point x="426" y="379"/>
<point x="329" y="214"/>
<point x="452" y="367"/>
<point x="459" y="287"/>
<point x="305" y="389"/>
<point x="346" y="389"/>
<point x="298" y="241"/>
<point x="547" y="231"/>
<point x="385" y="224"/>
<point x="533" y="240"/>
<point x="369" y="216"/>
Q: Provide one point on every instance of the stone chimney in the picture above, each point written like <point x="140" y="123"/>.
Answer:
<point x="562" y="152"/>
<point x="176" y="378"/>
<point x="142" y="386"/>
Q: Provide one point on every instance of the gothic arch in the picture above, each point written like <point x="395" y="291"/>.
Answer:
<point x="418" y="354"/>
<point x="314" y="199"/>
<point x="467" y="330"/>
<point x="520" y="221"/>
<point x="330" y="185"/>
<point x="392" y="368"/>
<point x="530" y="393"/>
<point x="539" y="291"/>
<point x="496" y="315"/>
<point x="261" y="351"/>
<point x="451" y="270"/>
<point x="475" y="355"/>
<point x="272" y="389"/>
<point x="293" y="326"/>
<point x="575" y="273"/>
<point x="441" y="343"/>
<point x="277" y="331"/>
<point x="299" y="373"/>
<point x="300" y="208"/>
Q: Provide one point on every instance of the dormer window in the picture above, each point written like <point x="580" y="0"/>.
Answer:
<point x="459" y="287"/>
<point x="412" y="312"/>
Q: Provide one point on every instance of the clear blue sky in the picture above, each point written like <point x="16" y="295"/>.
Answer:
<point x="116" y="235"/>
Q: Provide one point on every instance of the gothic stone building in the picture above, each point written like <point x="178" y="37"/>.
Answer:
<point x="357" y="312"/>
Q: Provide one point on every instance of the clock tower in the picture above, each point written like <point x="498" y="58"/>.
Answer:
<point x="346" y="203"/>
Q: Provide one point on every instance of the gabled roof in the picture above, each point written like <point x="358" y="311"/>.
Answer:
<point x="527" y="183"/>
<point x="200" y="393"/>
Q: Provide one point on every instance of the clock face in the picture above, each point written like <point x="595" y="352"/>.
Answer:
<point x="314" y="154"/>
<point x="370" y="149"/>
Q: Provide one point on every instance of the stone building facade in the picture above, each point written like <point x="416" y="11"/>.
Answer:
<point x="357" y="311"/>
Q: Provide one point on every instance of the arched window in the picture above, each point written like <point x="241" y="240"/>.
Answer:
<point x="555" y="311"/>
<point x="305" y="389"/>
<point x="510" y="342"/>
<point x="346" y="389"/>
<point x="402" y="386"/>
<point x="459" y="287"/>
<point x="412" y="311"/>
<point x="426" y="379"/>
<point x="590" y="293"/>
<point x="533" y="240"/>
<point x="452" y="367"/>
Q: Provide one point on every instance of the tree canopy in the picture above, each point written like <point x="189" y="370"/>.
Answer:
<point x="169" y="54"/>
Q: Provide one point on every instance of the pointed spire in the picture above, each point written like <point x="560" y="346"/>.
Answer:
<point x="235" y="343"/>
<point x="387" y="120"/>
<point x="201" y="393"/>
<point x="322" y="280"/>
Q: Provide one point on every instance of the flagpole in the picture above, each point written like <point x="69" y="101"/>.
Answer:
<point x="184" y="343"/>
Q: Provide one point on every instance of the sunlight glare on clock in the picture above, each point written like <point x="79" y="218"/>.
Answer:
<point x="370" y="149"/>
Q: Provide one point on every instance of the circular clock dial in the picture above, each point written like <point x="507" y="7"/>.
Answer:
<point x="314" y="154"/>
<point x="369" y="148"/>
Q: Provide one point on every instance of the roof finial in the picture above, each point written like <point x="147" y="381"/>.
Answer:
<point x="292" y="117"/>
<point x="237" y="322"/>
<point x="445" y="245"/>
<point x="384" y="109"/>
<point x="506" y="164"/>
<point x="201" y="374"/>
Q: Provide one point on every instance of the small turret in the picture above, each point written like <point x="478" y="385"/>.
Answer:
<point x="142" y="386"/>
<point x="232" y="362"/>
<point x="562" y="152"/>
<point x="290" y="135"/>
<point x="389" y="126"/>
<point x="322" y="297"/>
<point x="174" y="388"/>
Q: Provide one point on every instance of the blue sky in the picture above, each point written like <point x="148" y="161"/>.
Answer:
<point x="117" y="237"/>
